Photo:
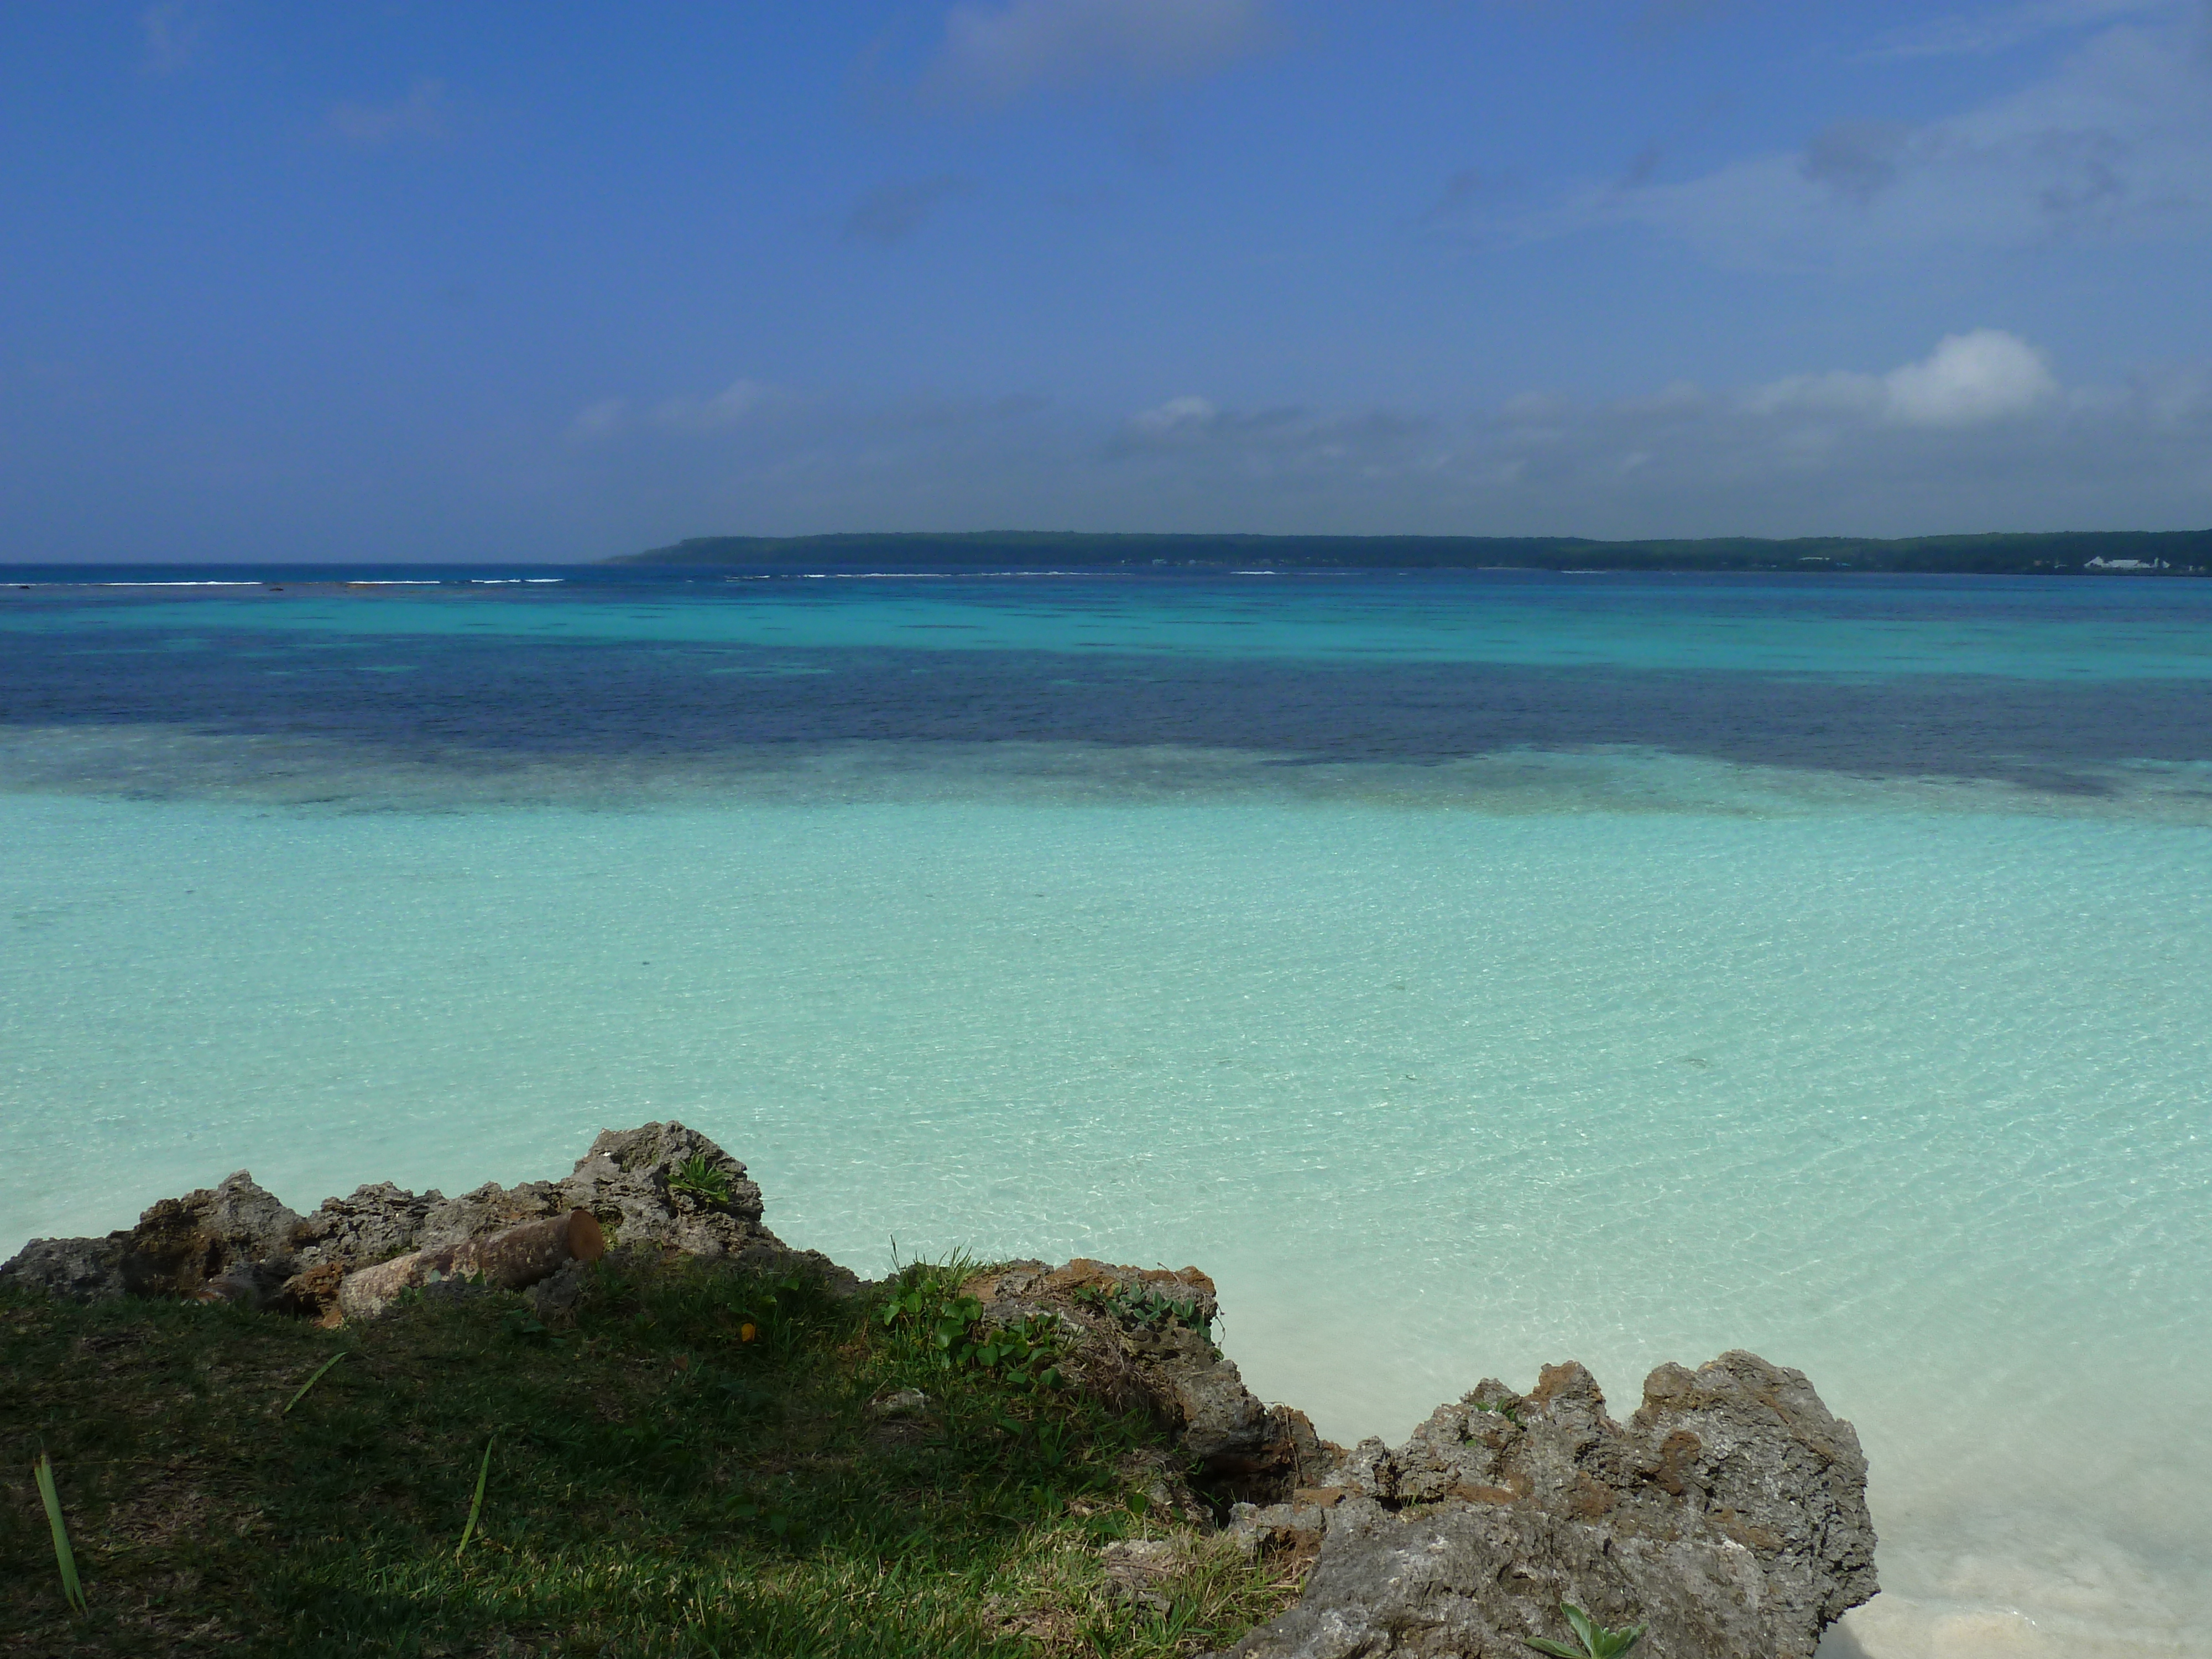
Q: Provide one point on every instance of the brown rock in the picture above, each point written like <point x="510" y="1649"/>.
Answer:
<point x="181" y="1243"/>
<point x="509" y="1260"/>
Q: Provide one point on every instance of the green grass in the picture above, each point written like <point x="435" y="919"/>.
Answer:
<point x="662" y="1487"/>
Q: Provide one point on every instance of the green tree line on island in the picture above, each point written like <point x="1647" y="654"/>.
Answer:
<point x="2169" y="552"/>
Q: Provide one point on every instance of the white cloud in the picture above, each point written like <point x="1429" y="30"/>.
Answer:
<point x="1983" y="376"/>
<point x="420" y="116"/>
<point x="1178" y="417"/>
<point x="1976" y="434"/>
<point x="1268" y="438"/>
<point x="994" y="54"/>
<point x="1986" y="375"/>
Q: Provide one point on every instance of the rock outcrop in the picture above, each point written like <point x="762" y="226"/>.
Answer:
<point x="75" y="1269"/>
<point x="660" y="1186"/>
<point x="233" y="1241"/>
<point x="181" y="1245"/>
<point x="1140" y="1337"/>
<point x="1729" y="1515"/>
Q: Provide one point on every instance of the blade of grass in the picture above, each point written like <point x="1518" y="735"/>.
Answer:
<point x="72" y="1588"/>
<point x="311" y="1383"/>
<point x="476" y="1506"/>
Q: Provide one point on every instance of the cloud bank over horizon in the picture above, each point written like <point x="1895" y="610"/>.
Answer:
<point x="1978" y="434"/>
<point x="316" y="285"/>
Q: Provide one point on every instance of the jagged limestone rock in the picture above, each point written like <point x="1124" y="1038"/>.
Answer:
<point x="625" y="1181"/>
<point x="375" y="1223"/>
<point x="75" y="1269"/>
<point x="181" y="1243"/>
<point x="1729" y="1515"/>
<point x="237" y="1242"/>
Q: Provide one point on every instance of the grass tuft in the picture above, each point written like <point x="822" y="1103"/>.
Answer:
<point x="475" y="1504"/>
<point x="311" y="1381"/>
<point x="64" y="1557"/>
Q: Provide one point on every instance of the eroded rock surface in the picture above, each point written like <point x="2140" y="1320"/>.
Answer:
<point x="1729" y="1515"/>
<point x="180" y="1244"/>
<point x="376" y="1224"/>
<point x="1143" y="1337"/>
<point x="660" y="1186"/>
<point x="76" y="1269"/>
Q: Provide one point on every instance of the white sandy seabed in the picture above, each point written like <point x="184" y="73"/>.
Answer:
<point x="1908" y="1092"/>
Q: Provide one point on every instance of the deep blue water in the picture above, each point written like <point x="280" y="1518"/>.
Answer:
<point x="2040" y="683"/>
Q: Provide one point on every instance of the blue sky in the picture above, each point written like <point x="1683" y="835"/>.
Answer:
<point x="426" y="281"/>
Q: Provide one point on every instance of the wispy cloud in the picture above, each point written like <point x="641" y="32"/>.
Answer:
<point x="599" y="420"/>
<point x="736" y="403"/>
<point x="1980" y="433"/>
<point x="993" y="54"/>
<point x="170" y="34"/>
<point x="1270" y="438"/>
<point x="1982" y="35"/>
<point x="2114" y="143"/>
<point x="418" y="118"/>
<point x="894" y="211"/>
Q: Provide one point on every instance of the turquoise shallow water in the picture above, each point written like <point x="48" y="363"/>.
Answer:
<point x="1443" y="1070"/>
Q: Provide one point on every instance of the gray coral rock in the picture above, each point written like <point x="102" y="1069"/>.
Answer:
<point x="1729" y="1515"/>
<point x="625" y="1180"/>
<point x="489" y="1208"/>
<point x="374" y="1225"/>
<point x="76" y="1269"/>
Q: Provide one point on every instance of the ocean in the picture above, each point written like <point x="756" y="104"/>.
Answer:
<point x="1469" y="970"/>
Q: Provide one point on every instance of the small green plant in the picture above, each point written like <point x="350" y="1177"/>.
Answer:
<point x="311" y="1381"/>
<point x="72" y="1588"/>
<point x="476" y="1504"/>
<point x="698" y="1179"/>
<point x="1144" y="1307"/>
<point x="523" y="1325"/>
<point x="1597" y="1642"/>
<point x="932" y="1313"/>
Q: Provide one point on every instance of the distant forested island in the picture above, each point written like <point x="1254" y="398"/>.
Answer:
<point x="2072" y="552"/>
